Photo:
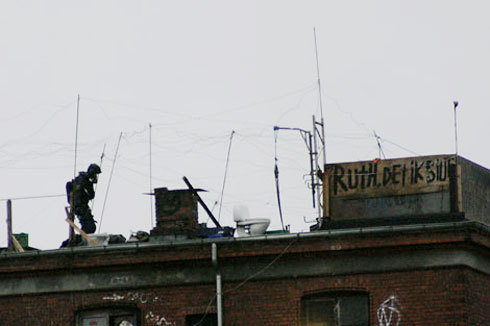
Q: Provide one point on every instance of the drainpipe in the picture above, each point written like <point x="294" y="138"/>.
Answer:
<point x="219" y="298"/>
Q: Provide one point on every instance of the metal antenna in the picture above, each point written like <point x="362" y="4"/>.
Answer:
<point x="318" y="74"/>
<point x="151" y="178"/>
<point x="455" y="104"/>
<point x="109" y="183"/>
<point x="224" y="178"/>
<point x="320" y="98"/>
<point x="76" y="138"/>
<point x="100" y="165"/>
<point x="380" y="149"/>
<point x="307" y="137"/>
<point x="321" y="135"/>
<point x="317" y="184"/>
<point x="276" y="176"/>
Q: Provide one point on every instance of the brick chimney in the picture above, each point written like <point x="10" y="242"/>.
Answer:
<point x="176" y="214"/>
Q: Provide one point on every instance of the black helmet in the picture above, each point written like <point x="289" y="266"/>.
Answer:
<point x="93" y="169"/>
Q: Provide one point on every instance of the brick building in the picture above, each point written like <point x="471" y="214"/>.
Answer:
<point x="432" y="269"/>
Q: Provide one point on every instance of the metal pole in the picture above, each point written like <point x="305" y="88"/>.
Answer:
<point x="321" y="101"/>
<point x="226" y="171"/>
<point x="312" y="170"/>
<point x="455" y="103"/>
<point x="76" y="138"/>
<point x="109" y="183"/>
<point x="151" y="180"/>
<point x="459" y="196"/>
<point x="71" y="216"/>
<point x="9" y="225"/>
<point x="318" y="75"/>
<point x="194" y="192"/>
<point x="324" y="145"/>
<point x="315" y="152"/>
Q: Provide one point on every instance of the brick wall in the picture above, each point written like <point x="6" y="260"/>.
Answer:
<point x="453" y="295"/>
<point x="431" y="297"/>
<point x="176" y="213"/>
<point x="478" y="298"/>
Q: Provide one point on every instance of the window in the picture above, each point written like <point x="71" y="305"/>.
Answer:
<point x="201" y="320"/>
<point x="336" y="309"/>
<point x="108" y="317"/>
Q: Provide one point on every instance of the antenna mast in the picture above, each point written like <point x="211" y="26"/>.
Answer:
<point x="76" y="138"/>
<point x="322" y="208"/>
<point x="455" y="105"/>
<point x="151" y="178"/>
<point x="109" y="183"/>
<point x="226" y="171"/>
<point x="320" y="97"/>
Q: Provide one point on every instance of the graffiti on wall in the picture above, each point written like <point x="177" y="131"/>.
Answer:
<point x="409" y="176"/>
<point x="141" y="298"/>
<point x="132" y="296"/>
<point x="388" y="313"/>
<point x="121" y="280"/>
<point x="158" y="319"/>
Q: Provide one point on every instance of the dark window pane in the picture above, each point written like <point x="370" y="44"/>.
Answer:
<point x="108" y="317"/>
<point x="201" y="320"/>
<point x="336" y="309"/>
<point x="95" y="321"/>
<point x="321" y="312"/>
<point x="354" y="310"/>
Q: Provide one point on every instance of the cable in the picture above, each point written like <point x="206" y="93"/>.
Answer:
<point x="401" y="147"/>
<point x="246" y="106"/>
<point x="245" y="281"/>
<point x="32" y="197"/>
<point x="261" y="270"/>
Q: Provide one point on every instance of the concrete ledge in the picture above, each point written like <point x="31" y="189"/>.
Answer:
<point x="238" y="269"/>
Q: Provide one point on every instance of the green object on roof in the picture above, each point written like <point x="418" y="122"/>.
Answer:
<point x="23" y="239"/>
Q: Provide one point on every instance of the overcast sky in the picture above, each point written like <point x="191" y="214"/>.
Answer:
<point x="196" y="70"/>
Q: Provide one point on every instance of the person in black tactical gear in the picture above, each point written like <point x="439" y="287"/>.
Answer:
<point x="81" y="190"/>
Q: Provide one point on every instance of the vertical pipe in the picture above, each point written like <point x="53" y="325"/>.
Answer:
<point x="9" y="225"/>
<point x="219" y="292"/>
<point x="219" y="299"/>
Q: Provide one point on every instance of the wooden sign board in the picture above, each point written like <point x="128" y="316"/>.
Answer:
<point x="394" y="177"/>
